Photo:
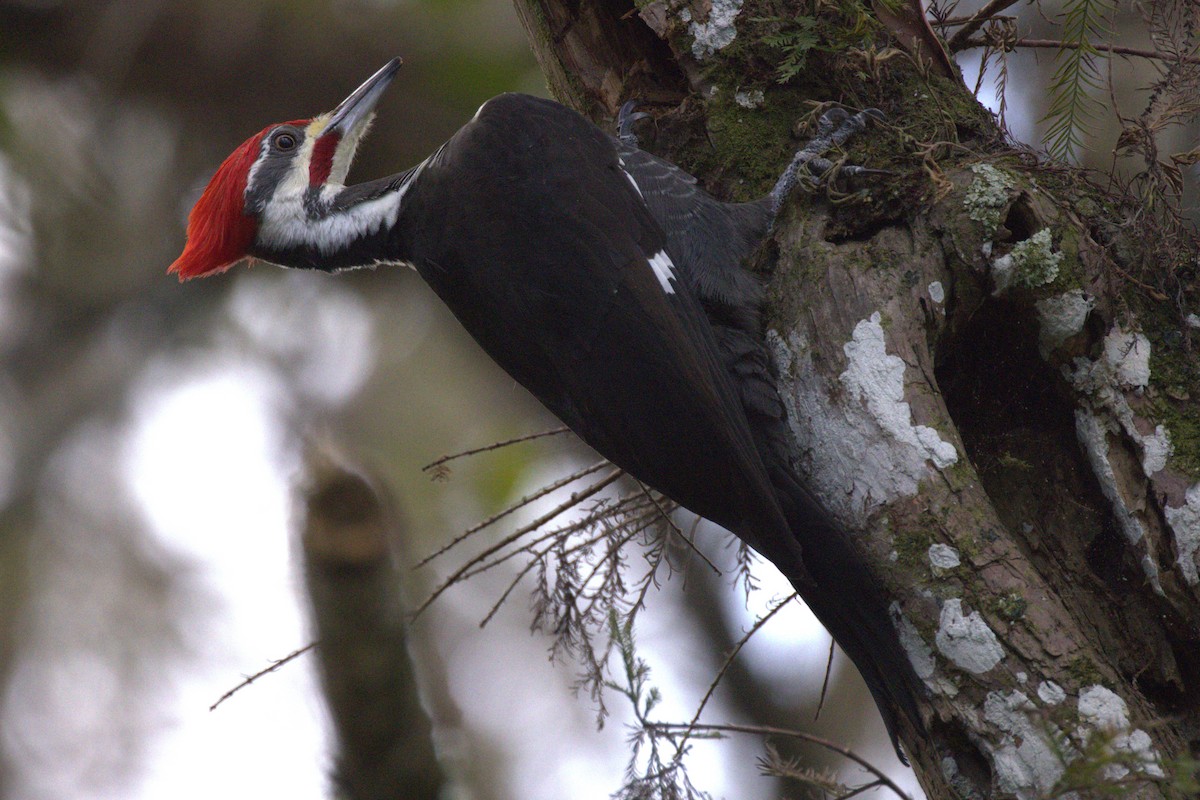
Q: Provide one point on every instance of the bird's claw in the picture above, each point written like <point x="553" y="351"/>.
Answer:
<point x="834" y="128"/>
<point x="625" y="119"/>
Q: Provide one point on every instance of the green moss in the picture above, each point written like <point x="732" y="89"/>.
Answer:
<point x="1011" y="606"/>
<point x="969" y="547"/>
<point x="750" y="145"/>
<point x="1084" y="672"/>
<point x="1183" y="425"/>
<point x="1175" y="379"/>
<point x="912" y="547"/>
<point x="1070" y="273"/>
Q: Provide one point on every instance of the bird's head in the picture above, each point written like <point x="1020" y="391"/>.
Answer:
<point x="268" y="185"/>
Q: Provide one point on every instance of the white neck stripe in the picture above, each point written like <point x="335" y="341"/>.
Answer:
<point x="285" y="223"/>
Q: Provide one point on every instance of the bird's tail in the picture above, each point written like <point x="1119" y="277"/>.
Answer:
<point x="843" y="594"/>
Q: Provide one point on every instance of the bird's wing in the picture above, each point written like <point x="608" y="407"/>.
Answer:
<point x="710" y="239"/>
<point x="553" y="262"/>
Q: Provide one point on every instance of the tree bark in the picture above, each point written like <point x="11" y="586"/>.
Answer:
<point x="385" y="739"/>
<point x="1005" y="419"/>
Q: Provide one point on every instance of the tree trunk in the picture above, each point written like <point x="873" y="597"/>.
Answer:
<point x="384" y="736"/>
<point x="979" y="388"/>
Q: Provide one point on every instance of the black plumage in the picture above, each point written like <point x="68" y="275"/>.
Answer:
<point x="526" y="226"/>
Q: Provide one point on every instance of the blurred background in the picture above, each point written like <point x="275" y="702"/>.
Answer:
<point x="151" y="434"/>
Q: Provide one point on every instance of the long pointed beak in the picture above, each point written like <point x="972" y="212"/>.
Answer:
<point x="359" y="105"/>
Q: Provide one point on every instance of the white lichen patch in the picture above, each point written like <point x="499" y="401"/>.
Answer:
<point x="1103" y="710"/>
<point x="1185" y="525"/>
<point x="877" y="379"/>
<point x="1027" y="762"/>
<point x="1128" y="354"/>
<point x="987" y="196"/>
<point x="1051" y="693"/>
<point x="943" y="557"/>
<point x="1192" y="321"/>
<point x="920" y="655"/>
<point x="937" y="292"/>
<point x="1034" y="262"/>
<point x="862" y="450"/>
<point x="1060" y="317"/>
<point x="1003" y="270"/>
<point x="718" y="32"/>
<point x="966" y="639"/>
<point x="1093" y="438"/>
<point x="752" y="98"/>
<point x="1156" y="449"/>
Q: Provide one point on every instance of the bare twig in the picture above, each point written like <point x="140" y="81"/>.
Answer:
<point x="535" y="558"/>
<point x="549" y="488"/>
<point x="292" y="656"/>
<point x="866" y="787"/>
<point x="556" y="536"/>
<point x="766" y="730"/>
<point x="666" y="515"/>
<point x="825" y="682"/>
<point x="561" y="508"/>
<point x="973" y="23"/>
<point x="737" y="648"/>
<point x="433" y="465"/>
<point x="954" y="22"/>
<point x="1113" y="49"/>
<point x="636" y="528"/>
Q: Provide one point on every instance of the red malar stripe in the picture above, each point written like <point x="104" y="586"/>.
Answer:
<point x="322" y="158"/>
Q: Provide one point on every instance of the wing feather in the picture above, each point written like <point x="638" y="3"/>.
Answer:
<point x="546" y="259"/>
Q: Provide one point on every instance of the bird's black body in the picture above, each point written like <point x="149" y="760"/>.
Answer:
<point x="543" y="255"/>
<point x="604" y="281"/>
<point x="557" y="288"/>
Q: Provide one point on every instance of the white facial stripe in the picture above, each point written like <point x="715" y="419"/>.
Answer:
<point x="285" y="224"/>
<point x="664" y="270"/>
<point x="262" y="152"/>
<point x="295" y="182"/>
<point x="343" y="156"/>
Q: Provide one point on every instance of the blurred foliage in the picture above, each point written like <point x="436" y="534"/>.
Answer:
<point x="112" y="115"/>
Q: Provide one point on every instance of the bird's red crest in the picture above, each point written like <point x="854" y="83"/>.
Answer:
<point x="219" y="233"/>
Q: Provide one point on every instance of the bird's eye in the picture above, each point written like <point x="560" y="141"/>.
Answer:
<point x="284" y="141"/>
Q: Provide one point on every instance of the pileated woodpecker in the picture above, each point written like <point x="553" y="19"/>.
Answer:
<point x="603" y="280"/>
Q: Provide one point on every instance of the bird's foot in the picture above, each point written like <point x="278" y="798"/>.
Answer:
<point x="834" y="128"/>
<point x="625" y="119"/>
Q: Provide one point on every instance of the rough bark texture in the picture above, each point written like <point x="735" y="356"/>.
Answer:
<point x="1006" y="421"/>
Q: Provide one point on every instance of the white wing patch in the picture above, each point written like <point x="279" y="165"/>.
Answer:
<point x="664" y="269"/>
<point x="629" y="177"/>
